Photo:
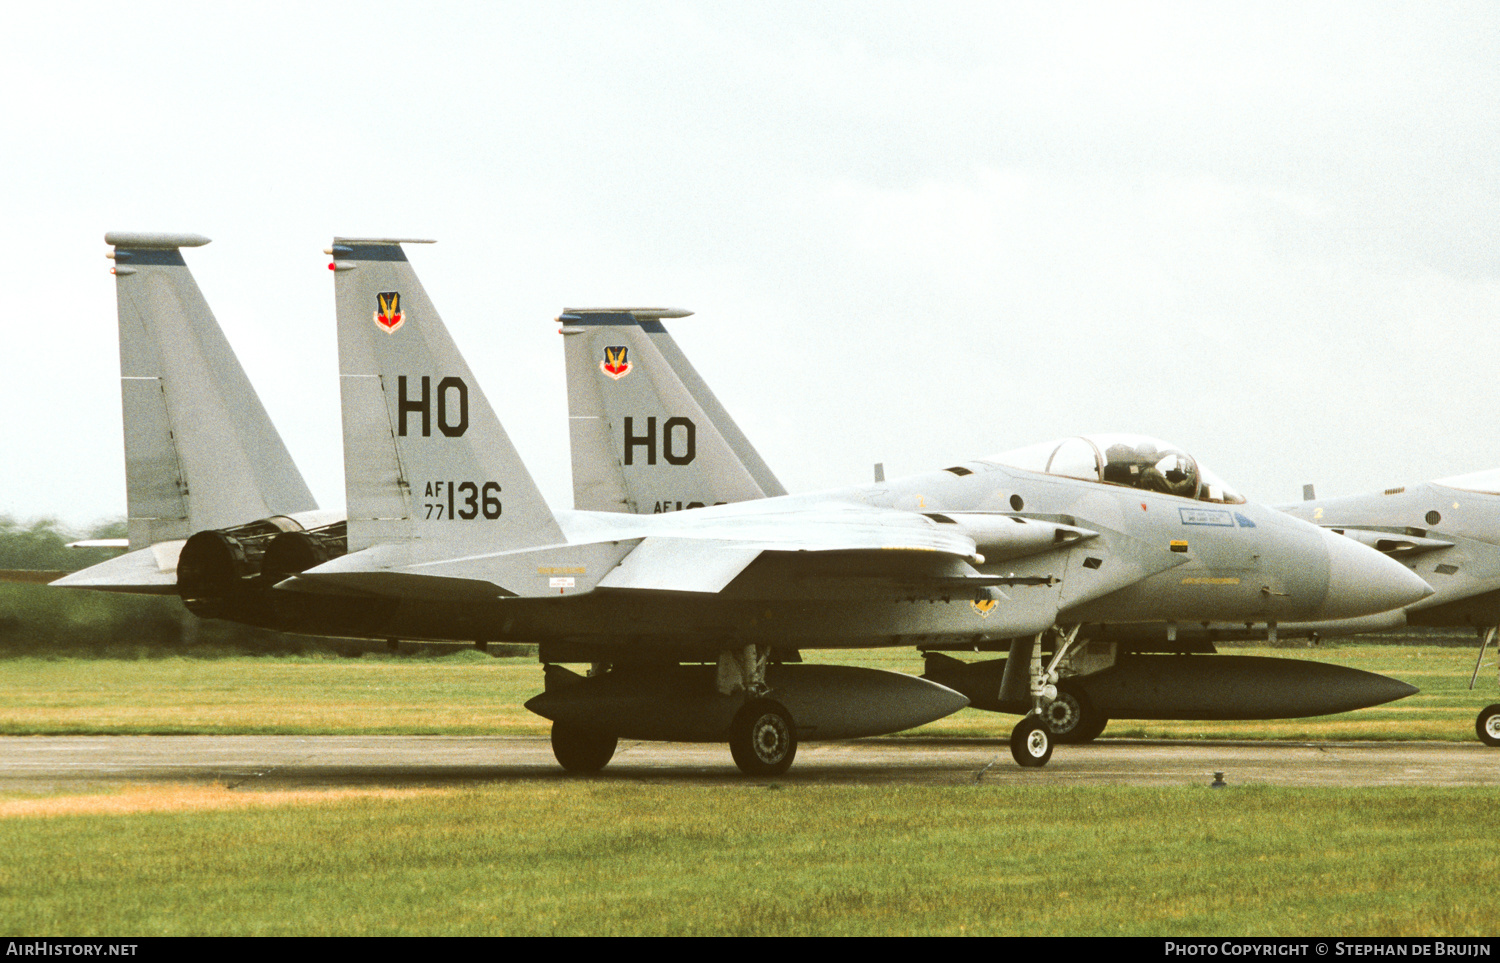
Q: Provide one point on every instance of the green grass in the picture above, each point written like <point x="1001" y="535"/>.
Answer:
<point x="580" y="857"/>
<point x="464" y="694"/>
<point x="469" y="693"/>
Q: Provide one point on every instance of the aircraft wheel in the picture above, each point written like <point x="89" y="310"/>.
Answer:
<point x="1072" y="718"/>
<point x="582" y="750"/>
<point x="762" y="739"/>
<point x="1488" y="725"/>
<point x="1031" y="742"/>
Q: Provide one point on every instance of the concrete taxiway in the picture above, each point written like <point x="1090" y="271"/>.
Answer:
<point x="64" y="763"/>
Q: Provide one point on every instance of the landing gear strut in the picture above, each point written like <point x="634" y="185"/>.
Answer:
<point x="762" y="736"/>
<point x="1487" y="726"/>
<point x="1031" y="740"/>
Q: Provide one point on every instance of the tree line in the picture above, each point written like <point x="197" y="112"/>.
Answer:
<point x="39" y="620"/>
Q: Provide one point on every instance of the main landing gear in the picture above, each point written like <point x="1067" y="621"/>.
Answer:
<point x="762" y="739"/>
<point x="689" y="703"/>
<point x="1072" y="718"/>
<point x="762" y="736"/>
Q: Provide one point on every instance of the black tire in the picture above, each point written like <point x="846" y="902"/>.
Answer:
<point x="1031" y="742"/>
<point x="1072" y="718"/>
<point x="1487" y="726"/>
<point x="762" y="738"/>
<point x="582" y="750"/>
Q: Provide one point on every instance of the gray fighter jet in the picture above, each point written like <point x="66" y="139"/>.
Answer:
<point x="691" y="620"/>
<point x="1447" y="531"/>
<point x="629" y="382"/>
<point x="684" y="614"/>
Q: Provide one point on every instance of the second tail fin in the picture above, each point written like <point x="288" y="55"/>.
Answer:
<point x="425" y="457"/>
<point x="647" y="433"/>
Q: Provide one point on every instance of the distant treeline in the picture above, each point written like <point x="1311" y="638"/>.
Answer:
<point x="39" y="620"/>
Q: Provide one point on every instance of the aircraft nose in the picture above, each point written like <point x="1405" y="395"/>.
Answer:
<point x="1361" y="581"/>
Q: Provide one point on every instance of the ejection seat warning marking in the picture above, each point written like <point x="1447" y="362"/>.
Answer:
<point x="1206" y="516"/>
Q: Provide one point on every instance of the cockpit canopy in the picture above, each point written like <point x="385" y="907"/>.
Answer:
<point x="1134" y="461"/>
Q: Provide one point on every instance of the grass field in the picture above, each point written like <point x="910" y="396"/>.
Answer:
<point x="470" y="693"/>
<point x="598" y="856"/>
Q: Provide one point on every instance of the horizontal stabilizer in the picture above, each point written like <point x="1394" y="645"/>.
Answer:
<point x="146" y="571"/>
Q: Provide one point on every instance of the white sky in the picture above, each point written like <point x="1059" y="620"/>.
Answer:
<point x="913" y="233"/>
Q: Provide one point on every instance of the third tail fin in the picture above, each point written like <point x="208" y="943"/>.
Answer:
<point x="647" y="433"/>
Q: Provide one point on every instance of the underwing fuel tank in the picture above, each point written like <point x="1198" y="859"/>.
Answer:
<point x="680" y="703"/>
<point x="1193" y="687"/>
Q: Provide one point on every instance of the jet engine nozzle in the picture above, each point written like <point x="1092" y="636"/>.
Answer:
<point x="226" y="573"/>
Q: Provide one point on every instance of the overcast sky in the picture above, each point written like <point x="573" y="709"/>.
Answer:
<point x="912" y="233"/>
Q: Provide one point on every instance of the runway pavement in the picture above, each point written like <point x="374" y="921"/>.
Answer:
<point x="64" y="763"/>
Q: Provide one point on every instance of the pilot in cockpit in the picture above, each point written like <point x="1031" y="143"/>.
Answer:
<point x="1131" y="460"/>
<point x="1146" y="467"/>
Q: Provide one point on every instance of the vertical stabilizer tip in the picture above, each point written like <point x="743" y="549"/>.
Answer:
<point x="136" y="240"/>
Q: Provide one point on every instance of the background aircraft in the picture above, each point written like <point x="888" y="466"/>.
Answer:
<point x="692" y="620"/>
<point x="202" y="458"/>
<point x="1448" y="532"/>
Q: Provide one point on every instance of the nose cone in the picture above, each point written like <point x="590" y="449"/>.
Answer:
<point x="1361" y="581"/>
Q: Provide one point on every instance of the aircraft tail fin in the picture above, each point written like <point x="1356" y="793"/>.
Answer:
<point x="200" y="450"/>
<point x="425" y="457"/>
<point x="648" y="435"/>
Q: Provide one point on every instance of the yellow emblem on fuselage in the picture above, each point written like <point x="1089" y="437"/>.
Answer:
<point x="983" y="606"/>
